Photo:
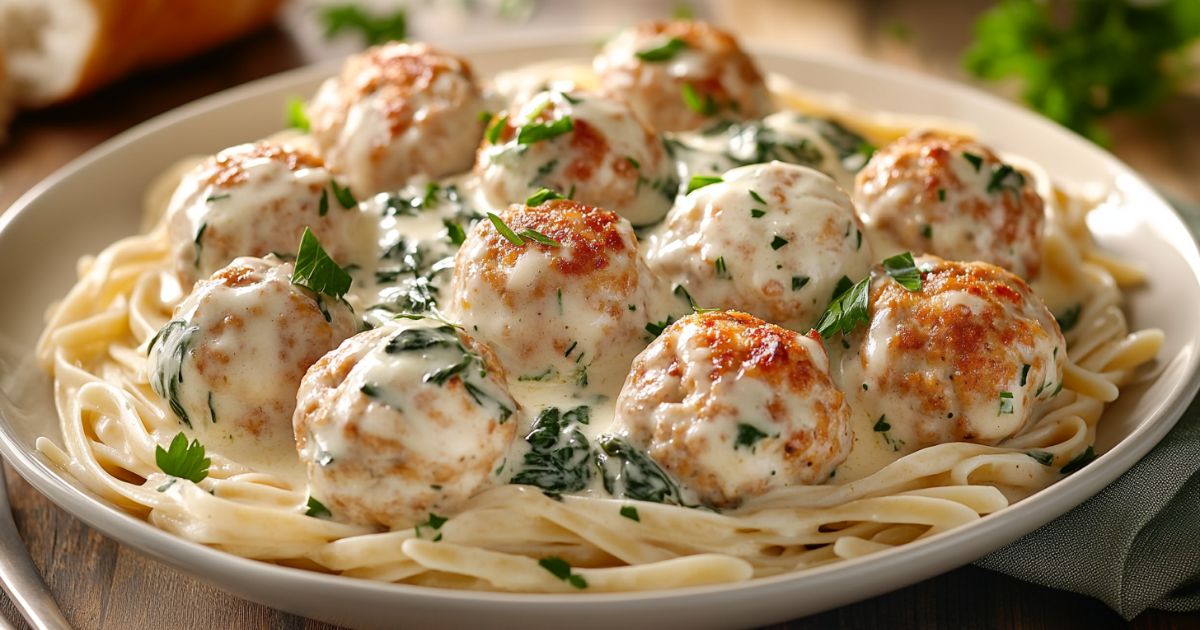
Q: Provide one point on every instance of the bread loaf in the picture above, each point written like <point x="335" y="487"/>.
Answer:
<point x="61" y="49"/>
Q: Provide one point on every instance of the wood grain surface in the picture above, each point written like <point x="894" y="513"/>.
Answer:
<point x="100" y="584"/>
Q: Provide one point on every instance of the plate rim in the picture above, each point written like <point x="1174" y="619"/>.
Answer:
<point x="189" y="556"/>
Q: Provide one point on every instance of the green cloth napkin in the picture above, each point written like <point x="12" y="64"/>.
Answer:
<point x="1136" y="544"/>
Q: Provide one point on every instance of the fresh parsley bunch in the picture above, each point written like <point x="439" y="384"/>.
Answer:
<point x="1102" y="57"/>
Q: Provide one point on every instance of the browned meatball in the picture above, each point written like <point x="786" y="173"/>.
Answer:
<point x="572" y="310"/>
<point x="965" y="358"/>
<point x="937" y="194"/>
<point x="406" y="420"/>
<point x="682" y="75"/>
<point x="733" y="407"/>
<point x="396" y="111"/>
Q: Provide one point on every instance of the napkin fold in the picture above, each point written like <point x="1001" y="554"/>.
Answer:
<point x="1136" y="544"/>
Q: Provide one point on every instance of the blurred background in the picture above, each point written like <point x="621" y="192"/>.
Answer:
<point x="1121" y="72"/>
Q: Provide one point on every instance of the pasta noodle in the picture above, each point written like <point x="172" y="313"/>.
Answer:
<point x="95" y="344"/>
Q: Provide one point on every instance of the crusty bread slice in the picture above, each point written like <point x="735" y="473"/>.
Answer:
<point x="60" y="49"/>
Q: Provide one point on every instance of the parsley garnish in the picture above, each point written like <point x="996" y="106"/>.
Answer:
<point x="196" y="241"/>
<point x="665" y="52"/>
<point x="316" y="509"/>
<point x="903" y="269"/>
<point x="435" y="523"/>
<point x="656" y="328"/>
<point x="927" y="231"/>
<point x="778" y="242"/>
<point x="519" y="239"/>
<point x="755" y="213"/>
<point x="343" y="195"/>
<point x="631" y="513"/>
<point x="212" y="198"/>
<point x="847" y="311"/>
<point x="721" y="269"/>
<point x="941" y="194"/>
<point x="1069" y="318"/>
<point x="323" y="204"/>
<point x="704" y="105"/>
<point x="542" y="196"/>
<point x="1024" y="374"/>
<point x="536" y="132"/>
<point x="295" y="116"/>
<point x="1041" y="457"/>
<point x="747" y="435"/>
<point x="493" y="131"/>
<point x="755" y="196"/>
<point x="798" y="282"/>
<point x="454" y="232"/>
<point x="975" y="160"/>
<point x="538" y="237"/>
<point x="183" y="460"/>
<point x="700" y="181"/>
<point x="375" y="29"/>
<point x="882" y="425"/>
<point x="1006" y="403"/>
<point x="1005" y="177"/>
<point x="561" y="569"/>
<point x="315" y="270"/>
<point x="1079" y="461"/>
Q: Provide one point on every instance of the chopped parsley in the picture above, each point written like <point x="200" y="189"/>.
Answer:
<point x="315" y="270"/>
<point x="1005" y="177"/>
<point x="903" y="269"/>
<point x="700" y="181"/>
<point x="721" y="270"/>
<point x="941" y="194"/>
<point x="747" y="435"/>
<point x="212" y="198"/>
<point x="316" y="509"/>
<point x="705" y="105"/>
<point x="561" y="569"/>
<point x="798" y="282"/>
<point x="778" y="242"/>
<point x="494" y="130"/>
<point x="196" y="241"/>
<point x="927" y="231"/>
<point x="542" y="196"/>
<point x="975" y="160"/>
<point x="1006" y="403"/>
<point x="631" y="513"/>
<point x="1024" y="374"/>
<point x="847" y="311"/>
<point x="536" y="132"/>
<point x="1069" y="318"/>
<point x="434" y="522"/>
<point x="343" y="195"/>
<point x="519" y="239"/>
<point x="538" y="237"/>
<point x="755" y="213"/>
<point x="1041" y="457"/>
<point x="1079" y="461"/>
<point x="454" y="232"/>
<point x="882" y="424"/>
<point x="295" y="116"/>
<point x="665" y="52"/>
<point x="755" y="196"/>
<point x="183" y="460"/>
<point x="656" y="328"/>
<point x="323" y="204"/>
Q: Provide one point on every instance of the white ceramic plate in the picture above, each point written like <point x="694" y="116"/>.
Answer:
<point x="97" y="198"/>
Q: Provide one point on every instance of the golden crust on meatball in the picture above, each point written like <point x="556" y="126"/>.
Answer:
<point x="733" y="407"/>
<point x="955" y="198"/>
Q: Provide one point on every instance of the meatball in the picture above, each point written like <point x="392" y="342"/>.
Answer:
<point x="231" y="358"/>
<point x="254" y="200"/>
<point x="406" y="420"/>
<point x="769" y="239"/>
<point x="734" y="407"/>
<point x="936" y="194"/>
<point x="682" y="75"/>
<point x="396" y="111"/>
<point x="570" y="309"/>
<point x="962" y="359"/>
<point x="589" y="148"/>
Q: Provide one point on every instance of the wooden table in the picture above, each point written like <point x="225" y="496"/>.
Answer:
<point x="101" y="584"/>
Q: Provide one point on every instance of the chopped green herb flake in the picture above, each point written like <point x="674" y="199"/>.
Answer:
<point x="721" y="269"/>
<point x="903" y="269"/>
<point x="538" y="237"/>
<point x="847" y="311"/>
<point x="798" y="282"/>
<point x="454" y="232"/>
<point x="434" y="522"/>
<point x="747" y="435"/>
<point x="1006" y="403"/>
<point x="183" y="460"/>
<point x="561" y="569"/>
<point x="343" y="195"/>
<point x="975" y="160"/>
<point x="316" y="509"/>
<point x="212" y="198"/>
<point x="1079" y="461"/>
<point x="755" y="196"/>
<point x="323" y="203"/>
<point x="1024" y="374"/>
<point x="1069" y="318"/>
<point x="1005" y="177"/>
<point x="315" y="270"/>
<point x="631" y="513"/>
<point x="927" y="231"/>
<point x="536" y="132"/>
<point x="778" y="242"/>
<point x="295" y="116"/>
<point x="704" y="105"/>
<point x="495" y="129"/>
<point x="504" y="230"/>
<point x="665" y="52"/>
<point x="700" y="181"/>
<point x="882" y="424"/>
<point x="941" y="194"/>
<point x="1041" y="457"/>
<point x="755" y="213"/>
